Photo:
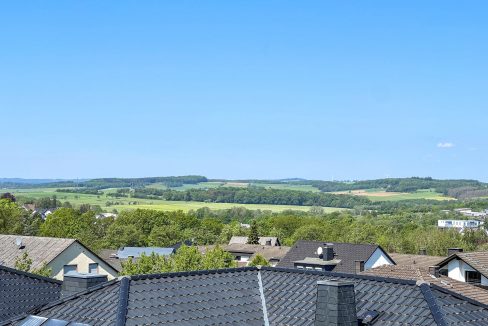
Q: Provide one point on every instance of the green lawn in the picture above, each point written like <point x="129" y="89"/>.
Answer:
<point x="78" y="199"/>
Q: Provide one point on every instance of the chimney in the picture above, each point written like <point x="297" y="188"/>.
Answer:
<point x="328" y="252"/>
<point x="74" y="282"/>
<point x="434" y="271"/>
<point x="452" y="251"/>
<point x="359" y="266"/>
<point x="423" y="252"/>
<point x="336" y="304"/>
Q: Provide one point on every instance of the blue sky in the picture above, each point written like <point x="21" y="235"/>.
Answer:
<point x="244" y="89"/>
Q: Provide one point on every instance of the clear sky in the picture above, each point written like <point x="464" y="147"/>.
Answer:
<point x="244" y="89"/>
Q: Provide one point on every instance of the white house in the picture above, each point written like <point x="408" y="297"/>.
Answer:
<point x="59" y="254"/>
<point x="459" y="224"/>
<point x="470" y="267"/>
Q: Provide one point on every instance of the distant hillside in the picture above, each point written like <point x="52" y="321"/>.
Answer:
<point x="455" y="188"/>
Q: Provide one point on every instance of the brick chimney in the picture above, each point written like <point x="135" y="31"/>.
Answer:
<point x="328" y="252"/>
<point x="359" y="266"/>
<point x="336" y="304"/>
<point x="452" y="251"/>
<point x="74" y="282"/>
<point x="434" y="271"/>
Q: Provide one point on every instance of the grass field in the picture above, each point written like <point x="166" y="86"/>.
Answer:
<point x="381" y="195"/>
<point x="287" y="186"/>
<point x="78" y="199"/>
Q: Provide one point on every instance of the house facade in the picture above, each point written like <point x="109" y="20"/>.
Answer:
<point x="60" y="255"/>
<point x="469" y="267"/>
<point x="337" y="257"/>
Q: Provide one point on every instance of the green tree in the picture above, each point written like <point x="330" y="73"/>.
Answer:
<point x="123" y="236"/>
<point x="10" y="217"/>
<point x="24" y="263"/>
<point x="253" y="237"/>
<point x="164" y="236"/>
<point x="259" y="260"/>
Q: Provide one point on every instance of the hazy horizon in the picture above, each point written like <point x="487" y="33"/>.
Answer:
<point x="241" y="90"/>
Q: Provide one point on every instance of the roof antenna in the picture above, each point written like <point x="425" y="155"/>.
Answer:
<point x="18" y="242"/>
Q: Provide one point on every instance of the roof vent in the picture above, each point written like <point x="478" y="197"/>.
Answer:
<point x="369" y="317"/>
<point x="19" y="244"/>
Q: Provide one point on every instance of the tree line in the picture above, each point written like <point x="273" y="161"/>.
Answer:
<point x="254" y="195"/>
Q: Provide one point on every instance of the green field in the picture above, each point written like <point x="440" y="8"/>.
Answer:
<point x="287" y="186"/>
<point x="128" y="203"/>
<point x="381" y="195"/>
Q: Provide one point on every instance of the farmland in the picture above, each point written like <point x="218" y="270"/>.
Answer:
<point x="382" y="195"/>
<point x="103" y="201"/>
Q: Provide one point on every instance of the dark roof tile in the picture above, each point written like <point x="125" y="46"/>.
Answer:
<point x="21" y="292"/>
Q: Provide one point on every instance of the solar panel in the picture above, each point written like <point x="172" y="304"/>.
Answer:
<point x="55" y="322"/>
<point x="43" y="321"/>
<point x="32" y="321"/>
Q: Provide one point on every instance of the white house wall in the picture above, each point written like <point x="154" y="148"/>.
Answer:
<point x="378" y="258"/>
<point x="456" y="269"/>
<point x="76" y="254"/>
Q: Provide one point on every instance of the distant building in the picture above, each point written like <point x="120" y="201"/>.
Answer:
<point x="244" y="253"/>
<point x="59" y="254"/>
<point x="470" y="213"/>
<point x="336" y="257"/>
<point x="104" y="215"/>
<point x="459" y="224"/>
<point x="263" y="241"/>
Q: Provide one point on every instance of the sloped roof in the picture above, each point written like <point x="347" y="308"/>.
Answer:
<point x="109" y="255"/>
<point x="249" y="296"/>
<point x="136" y="252"/>
<point x="347" y="253"/>
<point x="416" y="260"/>
<point x="40" y="249"/>
<point x="422" y="274"/>
<point x="477" y="259"/>
<point x="268" y="252"/>
<point x="20" y="292"/>
<point x="262" y="240"/>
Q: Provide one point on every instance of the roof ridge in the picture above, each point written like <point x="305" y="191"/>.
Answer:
<point x="35" y="236"/>
<point x="31" y="275"/>
<point x="191" y="273"/>
<point x="123" y="301"/>
<point x="459" y="295"/>
<point x="336" y="274"/>
<point x="432" y="303"/>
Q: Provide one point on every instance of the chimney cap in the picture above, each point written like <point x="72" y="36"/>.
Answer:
<point x="84" y="275"/>
<point x="334" y="282"/>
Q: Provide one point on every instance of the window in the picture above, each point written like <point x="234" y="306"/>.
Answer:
<point x="93" y="268"/>
<point x="70" y="268"/>
<point x="473" y="277"/>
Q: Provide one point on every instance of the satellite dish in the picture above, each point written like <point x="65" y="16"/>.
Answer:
<point x="18" y="242"/>
<point x="319" y="251"/>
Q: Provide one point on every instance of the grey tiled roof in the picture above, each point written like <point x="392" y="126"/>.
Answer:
<point x="262" y="240"/>
<point x="40" y="249"/>
<point x="20" y="292"/>
<point x="347" y="253"/>
<point x="238" y="296"/>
